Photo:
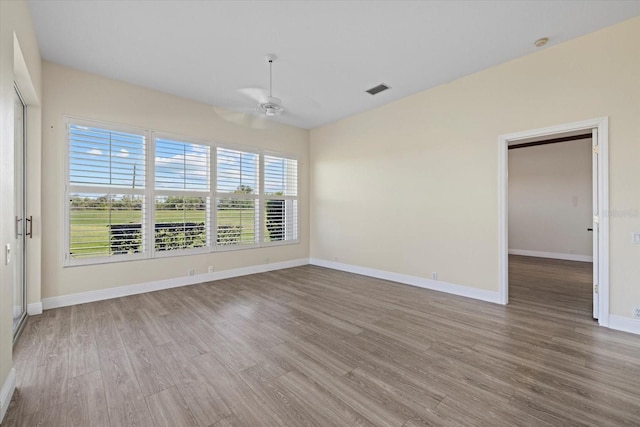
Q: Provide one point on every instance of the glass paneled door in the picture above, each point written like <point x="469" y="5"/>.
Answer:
<point x="22" y="223"/>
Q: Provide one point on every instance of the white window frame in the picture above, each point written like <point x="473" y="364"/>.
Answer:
<point x="149" y="196"/>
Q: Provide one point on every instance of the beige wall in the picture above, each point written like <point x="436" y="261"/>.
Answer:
<point x="75" y="93"/>
<point x="412" y="187"/>
<point x="550" y="193"/>
<point x="20" y="62"/>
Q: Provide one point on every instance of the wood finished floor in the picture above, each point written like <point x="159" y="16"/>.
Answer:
<point x="315" y="347"/>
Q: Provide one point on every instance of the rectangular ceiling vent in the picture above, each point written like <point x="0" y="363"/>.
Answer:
<point x="380" y="88"/>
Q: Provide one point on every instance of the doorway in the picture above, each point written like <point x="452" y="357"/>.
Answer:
<point x="598" y="128"/>
<point x="22" y="223"/>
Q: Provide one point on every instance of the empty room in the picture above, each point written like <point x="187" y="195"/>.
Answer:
<point x="319" y="213"/>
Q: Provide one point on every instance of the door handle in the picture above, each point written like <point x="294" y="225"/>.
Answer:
<point x="18" y="221"/>
<point x="30" y="222"/>
<point x="589" y="229"/>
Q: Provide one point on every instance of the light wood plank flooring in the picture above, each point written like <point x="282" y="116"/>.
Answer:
<point x="315" y="347"/>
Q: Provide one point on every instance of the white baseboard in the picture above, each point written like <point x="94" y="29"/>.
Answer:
<point x="435" y="285"/>
<point x="6" y="393"/>
<point x="122" y="291"/>
<point x="34" y="309"/>
<point x="554" y="255"/>
<point x="620" y="323"/>
<point x="626" y="324"/>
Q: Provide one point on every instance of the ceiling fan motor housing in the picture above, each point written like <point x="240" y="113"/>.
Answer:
<point x="272" y="107"/>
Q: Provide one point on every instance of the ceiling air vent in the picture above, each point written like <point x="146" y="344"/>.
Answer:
<point x="375" y="90"/>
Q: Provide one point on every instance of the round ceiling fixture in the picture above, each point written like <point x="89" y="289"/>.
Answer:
<point x="541" y="42"/>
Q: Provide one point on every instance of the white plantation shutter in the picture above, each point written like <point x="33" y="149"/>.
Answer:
<point x="106" y="158"/>
<point x="181" y="165"/>
<point x="280" y="176"/>
<point x="182" y="196"/>
<point x="237" y="172"/>
<point x="134" y="194"/>
<point x="106" y="225"/>
<point x="237" y="199"/>
<point x="280" y="199"/>
<point x="106" y="187"/>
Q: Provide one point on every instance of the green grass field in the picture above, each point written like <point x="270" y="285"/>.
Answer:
<point x="90" y="231"/>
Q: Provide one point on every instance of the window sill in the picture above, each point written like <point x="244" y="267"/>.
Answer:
<point x="116" y="259"/>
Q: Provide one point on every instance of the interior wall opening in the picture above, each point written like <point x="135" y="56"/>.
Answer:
<point x="599" y="130"/>
<point x="550" y="204"/>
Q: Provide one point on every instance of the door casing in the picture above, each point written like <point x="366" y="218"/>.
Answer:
<point x="20" y="193"/>
<point x="602" y="259"/>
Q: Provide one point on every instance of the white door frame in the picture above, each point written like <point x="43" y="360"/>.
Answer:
<point x="602" y="125"/>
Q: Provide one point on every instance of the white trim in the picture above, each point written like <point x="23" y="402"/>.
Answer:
<point x="104" y="294"/>
<point x="260" y="213"/>
<point x="503" y="221"/>
<point x="6" y="393"/>
<point x="34" y="308"/>
<point x="435" y="285"/>
<point x="626" y="324"/>
<point x="554" y="255"/>
<point x="602" y="124"/>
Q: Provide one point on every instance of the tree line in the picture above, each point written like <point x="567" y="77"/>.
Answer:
<point x="132" y="202"/>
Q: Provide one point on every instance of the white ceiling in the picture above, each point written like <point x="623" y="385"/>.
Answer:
<point x="329" y="52"/>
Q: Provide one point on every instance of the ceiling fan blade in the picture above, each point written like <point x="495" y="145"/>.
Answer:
<point x="260" y="96"/>
<point x="246" y="118"/>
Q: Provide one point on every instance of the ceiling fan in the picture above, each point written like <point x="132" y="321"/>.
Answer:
<point x="268" y="105"/>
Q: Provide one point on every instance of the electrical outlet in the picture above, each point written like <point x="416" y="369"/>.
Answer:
<point x="211" y="269"/>
<point x="434" y="275"/>
<point x="635" y="238"/>
<point x="191" y="272"/>
<point x="636" y="312"/>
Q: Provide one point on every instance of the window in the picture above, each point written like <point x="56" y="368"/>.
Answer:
<point x="136" y="194"/>
<point x="237" y="203"/>
<point x="106" y="191"/>
<point x="281" y="199"/>
<point x="182" y="195"/>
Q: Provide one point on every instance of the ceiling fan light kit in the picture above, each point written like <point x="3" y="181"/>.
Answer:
<point x="271" y="108"/>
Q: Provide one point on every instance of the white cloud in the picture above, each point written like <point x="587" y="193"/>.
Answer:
<point x="196" y="164"/>
<point x="122" y="153"/>
<point x="178" y="159"/>
<point x="95" y="152"/>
